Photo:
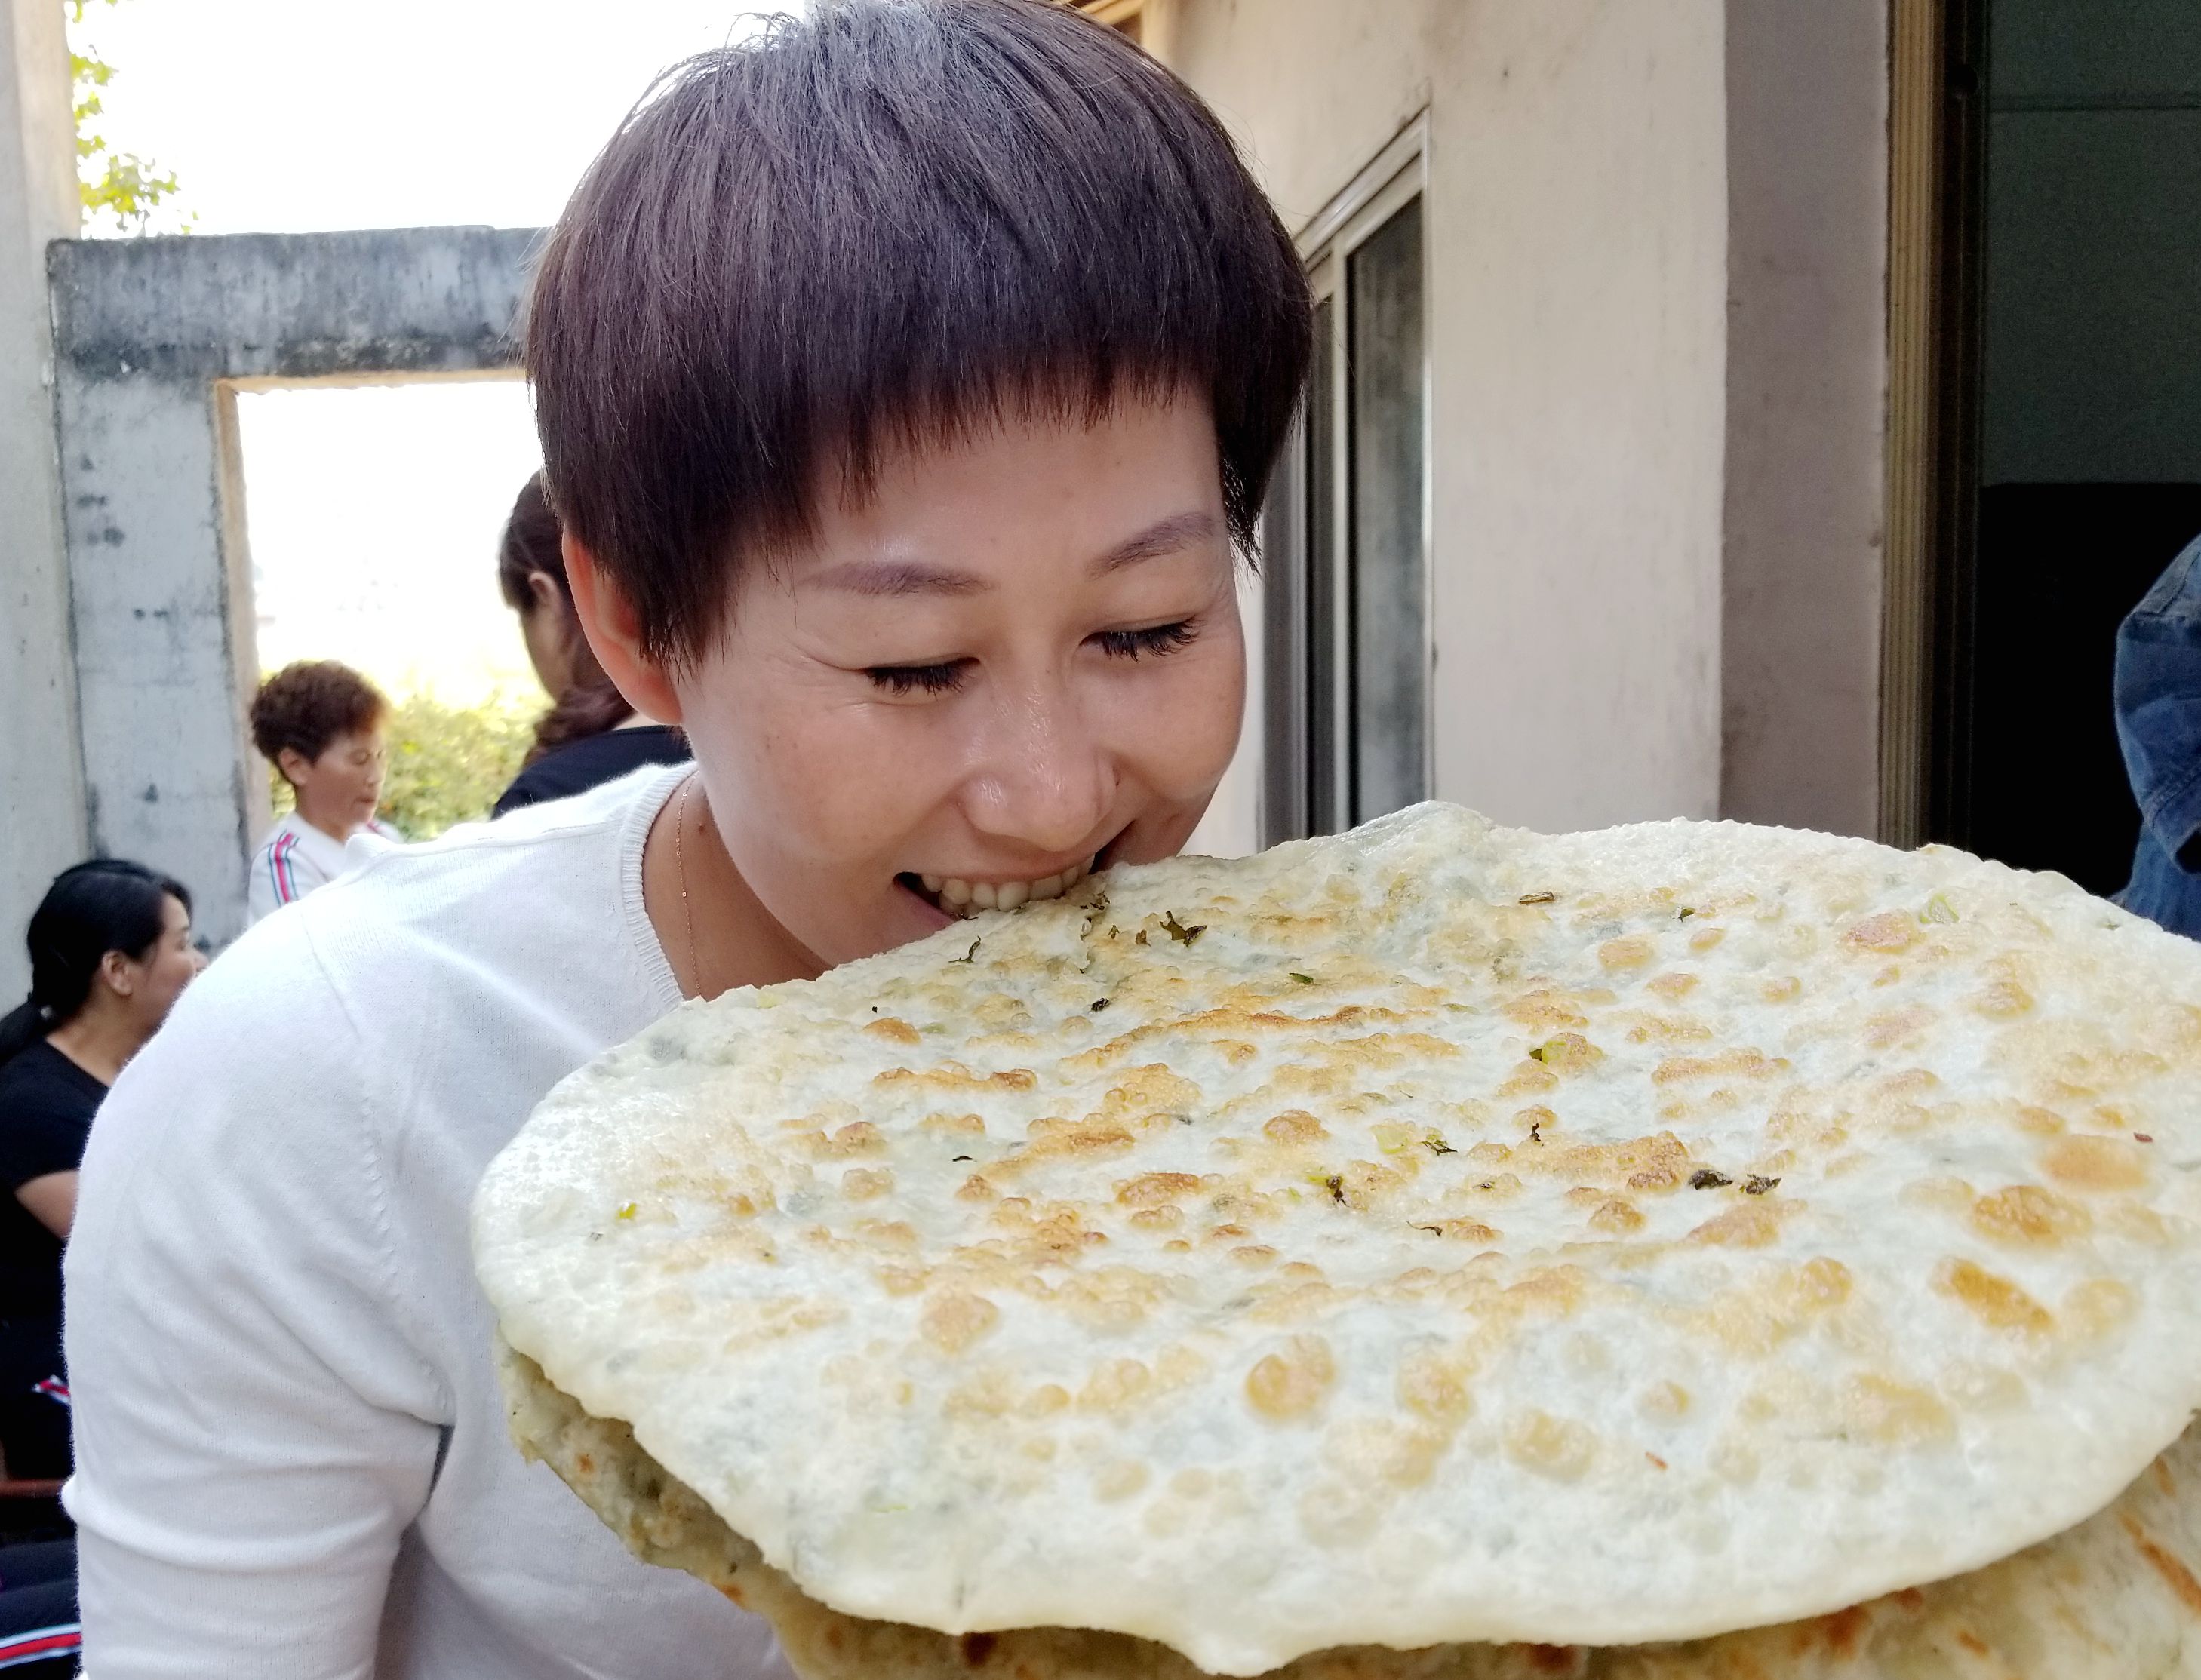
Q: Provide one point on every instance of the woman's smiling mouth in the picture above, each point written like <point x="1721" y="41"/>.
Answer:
<point x="955" y="896"/>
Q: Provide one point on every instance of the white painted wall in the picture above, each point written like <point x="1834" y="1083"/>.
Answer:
<point x="42" y="827"/>
<point x="1577" y="220"/>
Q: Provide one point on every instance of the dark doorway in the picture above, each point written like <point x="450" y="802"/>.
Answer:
<point x="2072" y="408"/>
<point x="2060" y="565"/>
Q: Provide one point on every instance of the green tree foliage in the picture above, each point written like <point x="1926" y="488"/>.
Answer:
<point x="447" y="763"/>
<point x="120" y="185"/>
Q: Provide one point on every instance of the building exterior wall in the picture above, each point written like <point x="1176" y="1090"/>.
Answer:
<point x="1807" y="412"/>
<point x="1577" y="210"/>
<point x="42" y="828"/>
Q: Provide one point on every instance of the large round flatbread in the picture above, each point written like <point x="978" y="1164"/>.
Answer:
<point x="2115" y="1598"/>
<point x="1437" y="1233"/>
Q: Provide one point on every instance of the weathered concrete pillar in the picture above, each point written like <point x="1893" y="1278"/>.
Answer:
<point x="163" y="632"/>
<point x="152" y="338"/>
<point x="42" y="827"/>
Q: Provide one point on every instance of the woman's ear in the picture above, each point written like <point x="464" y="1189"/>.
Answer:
<point x="295" y="765"/>
<point x="120" y="973"/>
<point x="543" y="592"/>
<point x="614" y="634"/>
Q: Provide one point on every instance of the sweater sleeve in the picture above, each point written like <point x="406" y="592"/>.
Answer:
<point x="281" y="874"/>
<point x="260" y="895"/>
<point x="42" y="1126"/>
<point x="254" y="1430"/>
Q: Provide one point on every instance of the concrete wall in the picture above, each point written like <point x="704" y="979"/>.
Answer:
<point x="152" y="335"/>
<point x="1577" y="221"/>
<point x="41" y="778"/>
<point x="1807" y="406"/>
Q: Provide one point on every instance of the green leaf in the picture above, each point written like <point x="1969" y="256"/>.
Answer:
<point x="118" y="184"/>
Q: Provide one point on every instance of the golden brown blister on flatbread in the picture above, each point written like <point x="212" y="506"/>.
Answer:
<point x="1435" y="1234"/>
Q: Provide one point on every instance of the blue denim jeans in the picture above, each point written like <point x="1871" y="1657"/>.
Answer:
<point x="2158" y="701"/>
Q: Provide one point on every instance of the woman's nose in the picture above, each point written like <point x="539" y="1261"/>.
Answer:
<point x="1046" y="780"/>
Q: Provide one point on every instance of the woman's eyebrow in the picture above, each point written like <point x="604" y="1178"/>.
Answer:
<point x="1166" y="536"/>
<point x="892" y="578"/>
<point x="897" y="577"/>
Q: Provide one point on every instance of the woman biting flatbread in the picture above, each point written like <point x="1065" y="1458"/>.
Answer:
<point x="908" y="377"/>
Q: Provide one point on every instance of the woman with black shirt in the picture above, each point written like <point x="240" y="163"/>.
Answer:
<point x="111" y="951"/>
<point x="590" y="735"/>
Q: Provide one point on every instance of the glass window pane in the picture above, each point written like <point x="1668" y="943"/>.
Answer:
<point x="1389" y="633"/>
<point x="1320" y="766"/>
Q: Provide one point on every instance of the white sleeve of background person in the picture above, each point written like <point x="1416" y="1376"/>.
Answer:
<point x="261" y="899"/>
<point x="309" y="860"/>
<point x="293" y="1458"/>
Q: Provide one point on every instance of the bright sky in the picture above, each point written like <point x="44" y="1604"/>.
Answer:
<point x="365" y="506"/>
<point x="374" y="514"/>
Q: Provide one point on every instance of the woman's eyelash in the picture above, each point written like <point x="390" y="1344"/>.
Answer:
<point x="1161" y="638"/>
<point x="918" y="679"/>
<point x="1118" y="644"/>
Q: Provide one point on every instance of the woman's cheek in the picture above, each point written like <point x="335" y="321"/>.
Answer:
<point x="846" y="779"/>
<point x="1185" y="726"/>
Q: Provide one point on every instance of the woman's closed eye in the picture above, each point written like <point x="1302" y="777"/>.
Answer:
<point x="1159" y="639"/>
<point x="937" y="679"/>
<point x="946" y="675"/>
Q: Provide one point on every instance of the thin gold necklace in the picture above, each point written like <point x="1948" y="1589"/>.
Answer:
<point x="680" y="865"/>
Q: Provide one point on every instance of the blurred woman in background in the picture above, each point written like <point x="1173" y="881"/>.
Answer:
<point x="111" y="950"/>
<point x="590" y="735"/>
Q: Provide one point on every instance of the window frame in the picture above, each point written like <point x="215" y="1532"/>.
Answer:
<point x="1397" y="176"/>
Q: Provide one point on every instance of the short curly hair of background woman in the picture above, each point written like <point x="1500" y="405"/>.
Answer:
<point x="309" y="704"/>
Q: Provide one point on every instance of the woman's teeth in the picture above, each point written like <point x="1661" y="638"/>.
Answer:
<point x="958" y="897"/>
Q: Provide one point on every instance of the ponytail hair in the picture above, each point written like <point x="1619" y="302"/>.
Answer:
<point x="531" y="544"/>
<point x="107" y="904"/>
<point x="586" y="709"/>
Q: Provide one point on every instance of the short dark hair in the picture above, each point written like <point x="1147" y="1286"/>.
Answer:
<point x="884" y="221"/>
<point x="309" y="704"/>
